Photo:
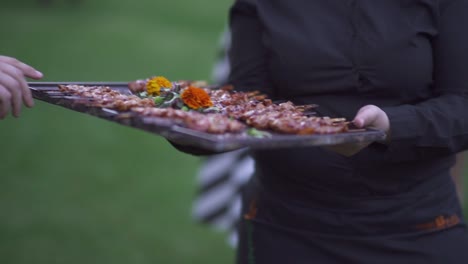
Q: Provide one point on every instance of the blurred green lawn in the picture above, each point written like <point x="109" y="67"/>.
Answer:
<point x="77" y="189"/>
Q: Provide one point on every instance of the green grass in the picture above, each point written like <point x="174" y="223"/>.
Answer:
<point x="76" y="189"/>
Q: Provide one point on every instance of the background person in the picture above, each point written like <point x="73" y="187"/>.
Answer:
<point x="222" y="178"/>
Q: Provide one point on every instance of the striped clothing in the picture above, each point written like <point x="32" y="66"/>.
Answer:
<point x="222" y="177"/>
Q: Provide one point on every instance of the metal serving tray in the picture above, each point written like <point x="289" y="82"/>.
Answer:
<point x="167" y="128"/>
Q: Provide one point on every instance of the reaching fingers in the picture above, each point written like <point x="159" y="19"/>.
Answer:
<point x="13" y="87"/>
<point x="17" y="74"/>
<point x="5" y="102"/>
<point x="27" y="70"/>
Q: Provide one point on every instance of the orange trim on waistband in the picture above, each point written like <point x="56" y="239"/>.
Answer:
<point x="440" y="222"/>
<point x="252" y="213"/>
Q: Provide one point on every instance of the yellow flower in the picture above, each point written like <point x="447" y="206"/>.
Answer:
<point x="154" y="85"/>
<point x="196" y="98"/>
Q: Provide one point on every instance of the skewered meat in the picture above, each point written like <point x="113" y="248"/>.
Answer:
<point x="251" y="108"/>
<point x="210" y="123"/>
<point x="259" y="112"/>
<point x="137" y="86"/>
<point x="103" y="96"/>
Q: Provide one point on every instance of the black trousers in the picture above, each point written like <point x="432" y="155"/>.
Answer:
<point x="263" y="242"/>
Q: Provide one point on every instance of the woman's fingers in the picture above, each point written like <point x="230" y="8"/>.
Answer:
<point x="372" y="116"/>
<point x="368" y="116"/>
<point x="5" y="102"/>
<point x="17" y="74"/>
<point x="27" y="70"/>
<point x="14" y="87"/>
<point x="365" y="116"/>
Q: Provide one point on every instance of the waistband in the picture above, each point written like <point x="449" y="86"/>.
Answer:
<point x="431" y="207"/>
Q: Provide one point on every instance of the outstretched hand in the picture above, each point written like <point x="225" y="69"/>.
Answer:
<point x="14" y="89"/>
<point x="369" y="116"/>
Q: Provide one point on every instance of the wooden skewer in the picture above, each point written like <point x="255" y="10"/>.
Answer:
<point x="306" y="107"/>
<point x="357" y="130"/>
<point x="338" y="120"/>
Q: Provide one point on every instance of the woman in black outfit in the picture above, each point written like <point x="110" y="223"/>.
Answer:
<point x="403" y="65"/>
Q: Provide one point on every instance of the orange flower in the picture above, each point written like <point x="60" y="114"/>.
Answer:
<point x="154" y="85"/>
<point x="196" y="98"/>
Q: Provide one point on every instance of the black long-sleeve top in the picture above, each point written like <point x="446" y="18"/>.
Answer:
<point x="409" y="57"/>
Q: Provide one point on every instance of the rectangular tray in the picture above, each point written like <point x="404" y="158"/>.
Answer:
<point x="49" y="92"/>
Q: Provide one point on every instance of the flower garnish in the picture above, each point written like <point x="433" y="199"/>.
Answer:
<point x="196" y="98"/>
<point x="154" y="85"/>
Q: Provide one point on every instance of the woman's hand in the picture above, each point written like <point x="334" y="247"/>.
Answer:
<point x="13" y="86"/>
<point x="369" y="116"/>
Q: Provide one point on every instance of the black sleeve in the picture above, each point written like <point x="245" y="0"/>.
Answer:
<point x="247" y="54"/>
<point x="438" y="126"/>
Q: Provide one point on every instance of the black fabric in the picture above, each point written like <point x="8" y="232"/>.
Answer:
<point x="328" y="228"/>
<point x="410" y="58"/>
<point x="407" y="56"/>
<point x="262" y="243"/>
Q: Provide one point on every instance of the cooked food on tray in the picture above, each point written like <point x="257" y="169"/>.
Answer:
<point x="209" y="123"/>
<point x="217" y="110"/>
<point x="208" y="117"/>
<point x="103" y="96"/>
